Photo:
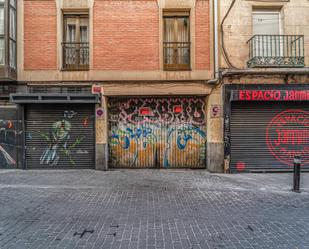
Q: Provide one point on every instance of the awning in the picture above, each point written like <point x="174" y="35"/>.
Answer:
<point x="25" y="98"/>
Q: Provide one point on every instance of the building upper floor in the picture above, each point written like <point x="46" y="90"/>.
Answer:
<point x="80" y="40"/>
<point x="114" y="40"/>
<point x="264" y="34"/>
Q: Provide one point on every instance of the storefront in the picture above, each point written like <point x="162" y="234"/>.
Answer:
<point x="59" y="130"/>
<point x="266" y="126"/>
<point x="157" y="132"/>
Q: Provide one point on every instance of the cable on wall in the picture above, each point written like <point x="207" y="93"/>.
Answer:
<point x="224" y="52"/>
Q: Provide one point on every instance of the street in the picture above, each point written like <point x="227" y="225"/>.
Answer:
<point x="151" y="209"/>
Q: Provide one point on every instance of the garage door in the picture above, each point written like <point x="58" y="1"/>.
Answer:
<point x="60" y="136"/>
<point x="266" y="136"/>
<point x="157" y="132"/>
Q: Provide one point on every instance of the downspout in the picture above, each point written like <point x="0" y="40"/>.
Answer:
<point x="216" y="40"/>
<point x="216" y="44"/>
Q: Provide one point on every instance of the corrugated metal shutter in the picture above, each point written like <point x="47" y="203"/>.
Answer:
<point x="256" y="126"/>
<point x="60" y="136"/>
<point x="157" y="132"/>
<point x="9" y="135"/>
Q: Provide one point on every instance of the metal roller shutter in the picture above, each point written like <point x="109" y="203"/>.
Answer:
<point x="265" y="136"/>
<point x="9" y="135"/>
<point x="60" y="136"/>
<point x="157" y="132"/>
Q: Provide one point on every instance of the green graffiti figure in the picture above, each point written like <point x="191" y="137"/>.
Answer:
<point x="58" y="139"/>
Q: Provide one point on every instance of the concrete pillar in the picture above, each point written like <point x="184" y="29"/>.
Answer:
<point x="101" y="157"/>
<point x="215" y="143"/>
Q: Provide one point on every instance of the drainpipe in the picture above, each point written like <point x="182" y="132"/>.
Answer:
<point x="216" y="44"/>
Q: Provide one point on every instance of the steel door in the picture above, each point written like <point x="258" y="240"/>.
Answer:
<point x="157" y="132"/>
<point x="266" y="136"/>
<point x="60" y="136"/>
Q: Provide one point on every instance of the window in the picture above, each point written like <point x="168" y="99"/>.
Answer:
<point x="266" y="27"/>
<point x="12" y="34"/>
<point x="176" y="41"/>
<point x="76" y="42"/>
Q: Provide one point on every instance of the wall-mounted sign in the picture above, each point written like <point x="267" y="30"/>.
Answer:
<point x="99" y="112"/>
<point x="271" y="95"/>
<point x="215" y="111"/>
<point x="96" y="89"/>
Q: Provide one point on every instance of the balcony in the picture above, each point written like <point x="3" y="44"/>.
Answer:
<point x="276" y="51"/>
<point x="176" y="56"/>
<point x="75" y="56"/>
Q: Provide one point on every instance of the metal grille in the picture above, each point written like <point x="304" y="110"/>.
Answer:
<point x="60" y="136"/>
<point x="157" y="132"/>
<point x="75" y="55"/>
<point x="265" y="137"/>
<point x="276" y="51"/>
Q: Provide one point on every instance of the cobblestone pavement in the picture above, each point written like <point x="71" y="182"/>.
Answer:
<point x="150" y="209"/>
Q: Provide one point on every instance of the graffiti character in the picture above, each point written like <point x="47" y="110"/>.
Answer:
<point x="58" y="139"/>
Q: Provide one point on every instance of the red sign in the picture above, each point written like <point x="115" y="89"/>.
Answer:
<point x="287" y="135"/>
<point x="96" y="89"/>
<point x="273" y="95"/>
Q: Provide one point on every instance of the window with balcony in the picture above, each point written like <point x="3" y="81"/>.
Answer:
<point x="75" y="42"/>
<point x="176" y="40"/>
<point x="269" y="47"/>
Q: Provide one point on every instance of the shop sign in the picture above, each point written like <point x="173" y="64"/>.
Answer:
<point x="271" y="95"/>
<point x="287" y="135"/>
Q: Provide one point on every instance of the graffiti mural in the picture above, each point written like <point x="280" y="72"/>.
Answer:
<point x="8" y="138"/>
<point x="57" y="140"/>
<point x="60" y="138"/>
<point x="158" y="132"/>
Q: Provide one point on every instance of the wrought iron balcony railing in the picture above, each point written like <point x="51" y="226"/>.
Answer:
<point x="276" y="51"/>
<point x="75" y="56"/>
<point x="176" y="55"/>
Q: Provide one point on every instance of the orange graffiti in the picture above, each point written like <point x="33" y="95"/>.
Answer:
<point x="10" y="124"/>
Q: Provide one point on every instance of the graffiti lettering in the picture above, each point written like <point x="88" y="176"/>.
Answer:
<point x="158" y="132"/>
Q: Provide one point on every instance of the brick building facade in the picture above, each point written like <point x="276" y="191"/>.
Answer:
<point x="152" y="60"/>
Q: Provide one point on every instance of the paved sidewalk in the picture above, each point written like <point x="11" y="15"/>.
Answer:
<point x="151" y="209"/>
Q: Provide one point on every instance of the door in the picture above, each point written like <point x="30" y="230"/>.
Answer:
<point x="60" y="136"/>
<point x="266" y="136"/>
<point x="266" y="24"/>
<point x="157" y="132"/>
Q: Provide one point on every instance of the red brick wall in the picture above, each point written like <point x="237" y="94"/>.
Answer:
<point x="40" y="35"/>
<point x="126" y="35"/>
<point x="202" y="35"/>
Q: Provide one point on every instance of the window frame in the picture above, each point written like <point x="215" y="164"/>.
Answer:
<point x="77" y="15"/>
<point x="174" y="14"/>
